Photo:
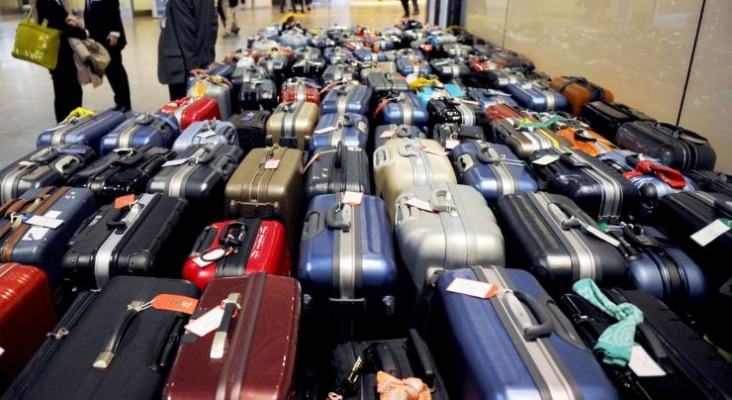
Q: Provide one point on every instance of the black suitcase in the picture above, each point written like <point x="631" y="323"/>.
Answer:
<point x="675" y="146"/>
<point x="121" y="172"/>
<point x="250" y="126"/>
<point x="710" y="181"/>
<point x="450" y="135"/>
<point x="111" y="344"/>
<point x="260" y="94"/>
<point x="277" y="66"/>
<point x="443" y="110"/>
<point x="605" y="117"/>
<point x="309" y="68"/>
<point x="339" y="72"/>
<point x="338" y="170"/>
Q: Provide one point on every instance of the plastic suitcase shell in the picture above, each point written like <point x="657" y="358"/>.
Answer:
<point x="407" y="66"/>
<point x="347" y="99"/>
<point x="308" y="53"/>
<point x="309" y="68"/>
<point x="86" y="130"/>
<point x="258" y="94"/>
<point x="250" y="127"/>
<point x="299" y="90"/>
<point x="277" y="65"/>
<point x="385" y="81"/>
<point x="335" y="55"/>
<point x="710" y="181"/>
<point x="449" y="110"/>
<point x="605" y="117"/>
<point x="446" y="90"/>
<point x="537" y="97"/>
<point x="364" y="54"/>
<point x="367" y="67"/>
<point x="204" y="132"/>
<point x="337" y="170"/>
<point x="524" y="141"/>
<point x="216" y="88"/>
<point x="350" y="129"/>
<point x="451" y="135"/>
<point x="382" y="133"/>
<point x="248" y="73"/>
<point x="504" y="110"/>
<point x="586" y="140"/>
<point x="338" y="73"/>
<point x="489" y="97"/>
<point x="482" y="63"/>
<point x="500" y="78"/>
<point x="191" y="109"/>
<point x="448" y="68"/>
<point x="293" y="39"/>
<point x="142" y="129"/>
<point x="501" y="347"/>
<point x="579" y="91"/>
<point x="404" y="109"/>
<point x="292" y="124"/>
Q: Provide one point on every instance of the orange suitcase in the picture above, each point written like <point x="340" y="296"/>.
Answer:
<point x="579" y="91"/>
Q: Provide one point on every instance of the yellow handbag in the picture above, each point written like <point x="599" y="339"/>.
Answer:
<point x="37" y="43"/>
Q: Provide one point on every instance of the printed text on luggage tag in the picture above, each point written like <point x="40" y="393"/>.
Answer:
<point x="546" y="160"/>
<point x="206" y="323"/>
<point x="174" y="302"/>
<point x="124" y="201"/>
<point x="717" y="228"/>
<point x="481" y="290"/>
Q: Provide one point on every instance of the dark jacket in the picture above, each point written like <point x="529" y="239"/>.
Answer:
<point x="56" y="14"/>
<point x="187" y="39"/>
<point x="102" y="17"/>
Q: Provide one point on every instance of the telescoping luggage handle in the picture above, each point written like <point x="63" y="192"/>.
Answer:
<point x="569" y="220"/>
<point x="231" y="304"/>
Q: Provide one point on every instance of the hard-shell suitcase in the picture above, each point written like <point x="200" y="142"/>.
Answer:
<point x="48" y="166"/>
<point x="258" y="94"/>
<point x="605" y="117"/>
<point x="250" y="127"/>
<point x="110" y="242"/>
<point x="382" y="133"/>
<point x="308" y="53"/>
<point x="336" y="55"/>
<point x="144" y="129"/>
<point x="412" y="65"/>
<point x="121" y="172"/>
<point x="454" y="50"/>
<point x="385" y="81"/>
<point x="402" y="163"/>
<point x="516" y="344"/>
<point x="252" y="354"/>
<point x="60" y="209"/>
<point x="710" y="181"/>
<point x="504" y="110"/>
<point x="520" y="135"/>
<point x="680" y="363"/>
<point x="451" y="135"/>
<point x="249" y="245"/>
<point x="579" y="91"/>
<point x="293" y="39"/>
<point x="86" y="129"/>
<point x="450" y="110"/>
<point x="277" y="65"/>
<point x="453" y="228"/>
<point x="500" y="78"/>
<point x="246" y="71"/>
<point x="191" y="109"/>
<point x="299" y="90"/>
<point x="113" y="344"/>
<point x="536" y="97"/>
<point x="448" y="68"/>
<point x="366" y="54"/>
<point x="351" y="129"/>
<point x="320" y="40"/>
<point x="347" y="99"/>
<point x="552" y="237"/>
<point x="292" y="124"/>
<point x="338" y="73"/>
<point x="427" y="93"/>
<point x="400" y="108"/>
<point x="367" y="67"/>
<point x="482" y="63"/>
<point x="489" y="97"/>
<point x="584" y="139"/>
<point x="674" y="146"/>
<point x="216" y="88"/>
<point x="27" y="314"/>
<point x="511" y="59"/>
<point x="204" y="132"/>
<point x="309" y="68"/>
<point x="345" y="264"/>
<point x="338" y="170"/>
<point x="492" y="169"/>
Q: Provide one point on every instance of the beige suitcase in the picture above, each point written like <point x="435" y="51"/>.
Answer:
<point x="402" y="163"/>
<point x="292" y="124"/>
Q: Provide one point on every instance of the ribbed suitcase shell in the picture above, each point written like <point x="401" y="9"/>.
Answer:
<point x="537" y="97"/>
<point x="382" y="133"/>
<point x="347" y="99"/>
<point x="489" y="97"/>
<point x="337" y="73"/>
<point x="407" y="66"/>
<point x="579" y="91"/>
<point x="337" y="170"/>
<point x="524" y="141"/>
<point x="586" y="140"/>
<point x="448" y="68"/>
<point x="404" y="108"/>
<point x="605" y="117"/>
<point x="451" y="110"/>
<point x="204" y="132"/>
<point x="451" y="135"/>
<point x="215" y="88"/>
<point x="299" y="90"/>
<point x="367" y="67"/>
<point x="335" y="55"/>
<point x="86" y="130"/>
<point x="293" y="39"/>
<point x="381" y="81"/>
<point x="292" y="124"/>
<point x="308" y="53"/>
<point x="350" y="129"/>
<point x="142" y="130"/>
<point x="309" y="68"/>
<point x="190" y="109"/>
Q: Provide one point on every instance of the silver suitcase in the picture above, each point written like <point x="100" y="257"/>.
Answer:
<point x="216" y="88"/>
<point x="209" y="131"/>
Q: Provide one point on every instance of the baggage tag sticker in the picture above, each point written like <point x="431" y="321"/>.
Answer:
<point x="717" y="228"/>
<point x="174" y="302"/>
<point x="124" y="201"/>
<point x="42" y="221"/>
<point x="420" y="204"/>
<point x="352" y="198"/>
<point x="272" y="163"/>
<point x="481" y="290"/>
<point x="642" y="364"/>
<point x="199" y="89"/>
<point x="451" y="142"/>
<point x="546" y="160"/>
<point x="430" y="150"/>
<point x="35" y="233"/>
<point x="388" y="133"/>
<point x="206" y="323"/>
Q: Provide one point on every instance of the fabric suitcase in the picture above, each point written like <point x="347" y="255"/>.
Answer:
<point x="492" y="169"/>
<point x="257" y="95"/>
<point x="216" y="88"/>
<point x="191" y="109"/>
<point x="692" y="368"/>
<point x="536" y="97"/>
<point x="347" y="99"/>
<point x="110" y="344"/>
<point x="382" y="133"/>
<point x="205" y="132"/>
<point x="520" y="135"/>
<point x="489" y="97"/>
<point x="367" y="67"/>
<point x="250" y="127"/>
<point x="109" y="242"/>
<point x="350" y="129"/>
<point x="309" y="68"/>
<point x="458" y="229"/>
<point x="86" y="129"/>
<point x="400" y="108"/>
<point x="48" y="166"/>
<point x="122" y="172"/>
<point x="674" y="146"/>
<point x="336" y="55"/>
<point x="710" y="181"/>
<point x="579" y="91"/>
<point x="515" y="344"/>
<point x="139" y="130"/>
<point x="338" y="73"/>
<point x="450" y="110"/>
<point x="26" y="314"/>
<point x="308" y="53"/>
<point x="448" y="68"/>
<point x="605" y="117"/>
<point x="299" y="90"/>
<point x="345" y="265"/>
<point x="386" y="81"/>
<point x="552" y="237"/>
<point x="338" y="170"/>
<point x="292" y="124"/>
<point x="252" y="354"/>
<point x="249" y="245"/>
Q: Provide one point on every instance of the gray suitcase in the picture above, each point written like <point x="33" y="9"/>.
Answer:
<point x="216" y="88"/>
<point x="202" y="132"/>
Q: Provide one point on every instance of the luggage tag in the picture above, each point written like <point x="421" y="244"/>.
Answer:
<point x="546" y="159"/>
<point x="169" y="302"/>
<point x="352" y="198"/>
<point x="173" y="163"/>
<point x="709" y="233"/>
<point x="642" y="364"/>
<point x="211" y="320"/>
<point x="211" y="256"/>
<point x="45" y="221"/>
<point x="420" y="204"/>
<point x="389" y="132"/>
<point x="199" y="89"/>
<point x="326" y="129"/>
<point x="452" y="141"/>
<point x="481" y="290"/>
<point x="430" y="150"/>
<point x="124" y="201"/>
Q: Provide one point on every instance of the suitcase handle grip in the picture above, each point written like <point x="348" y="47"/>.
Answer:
<point x="128" y="157"/>
<point x="544" y="326"/>
<point x="231" y="234"/>
<point x="487" y="154"/>
<point x="104" y="358"/>
<point x="446" y="205"/>
<point x="580" y="135"/>
<point x="724" y="206"/>
<point x="463" y="163"/>
<point x="44" y="156"/>
<point x="336" y="222"/>
<point x="218" y="347"/>
<point x="338" y="160"/>
<point x="423" y="355"/>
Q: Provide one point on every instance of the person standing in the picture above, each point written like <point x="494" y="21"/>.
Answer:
<point x="104" y="22"/>
<point x="230" y="26"/>
<point x="187" y="42"/>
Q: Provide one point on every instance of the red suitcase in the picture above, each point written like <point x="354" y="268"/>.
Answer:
<point x="238" y="247"/>
<point x="192" y="109"/>
<point x="252" y="353"/>
<point x="26" y="315"/>
<point x="500" y="111"/>
<point x="300" y="89"/>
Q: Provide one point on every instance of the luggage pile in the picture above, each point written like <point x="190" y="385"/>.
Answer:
<point x="344" y="213"/>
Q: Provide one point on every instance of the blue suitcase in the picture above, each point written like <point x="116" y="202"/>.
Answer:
<point x="351" y="129"/>
<point x="364" y="54"/>
<point x="221" y="70"/>
<point x="489" y="97"/>
<point x="492" y="169"/>
<point x="405" y="109"/>
<point x="145" y="129"/>
<point x="408" y="65"/>
<point x="293" y="39"/>
<point x="446" y="90"/>
<point x="335" y="55"/>
<point x="202" y="132"/>
<point x="537" y="97"/>
<point x="86" y="130"/>
<point x="382" y="133"/>
<point x="347" y="98"/>
<point x="347" y="256"/>
<point x="515" y="345"/>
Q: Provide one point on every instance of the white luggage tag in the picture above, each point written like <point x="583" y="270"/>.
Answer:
<point x="709" y="233"/>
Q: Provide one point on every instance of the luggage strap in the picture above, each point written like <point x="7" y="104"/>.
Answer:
<point x="669" y="176"/>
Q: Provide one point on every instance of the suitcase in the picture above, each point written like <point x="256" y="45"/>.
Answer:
<point x="145" y="129"/>
<point x="121" y="172"/>
<point x="500" y="78"/>
<point x="403" y="163"/>
<point x="347" y="99"/>
<point x="250" y="127"/>
<point x="386" y="81"/>
<point x="451" y="135"/>
<point x="292" y="124"/>
<point x="299" y="90"/>
<point x="216" y="88"/>
<point x="427" y="93"/>
<point x="605" y="117"/>
<point x="277" y="65"/>
<point x="221" y="69"/>
<point x="520" y="135"/>
<point x="293" y="39"/>
<point x="308" y="53"/>
<point x="412" y="65"/>
<point x="205" y="132"/>
<point x="450" y="110"/>
<point x="111" y="344"/>
<point x="257" y="95"/>
<point x="267" y="37"/>
<point x="338" y="170"/>
<point x="367" y="67"/>
<point x="482" y="63"/>
<point x="191" y="109"/>
<point x="26" y="314"/>
<point x="492" y="169"/>
<point x="552" y="237"/>
<point x="584" y="139"/>
<point x="320" y="40"/>
<point x="489" y="97"/>
<point x="252" y="355"/>
<point x="515" y="344"/>
<point x="448" y="68"/>
<point x="338" y="73"/>
<point x="709" y="181"/>
<point x="692" y="368"/>
<point x="536" y="97"/>
<point x="345" y="265"/>
<point x="579" y="91"/>
<point x="86" y="129"/>
<point x="400" y="108"/>
<point x="366" y="54"/>
<point x="455" y="50"/>
<point x="336" y="55"/>
<point x="674" y="146"/>
<point x="393" y="131"/>
<point x="510" y="59"/>
<point x="247" y="73"/>
<point x="350" y="129"/>
<point x="309" y="68"/>
<point x="48" y="166"/>
<point x="455" y="228"/>
<point x="238" y="247"/>
<point x="384" y="43"/>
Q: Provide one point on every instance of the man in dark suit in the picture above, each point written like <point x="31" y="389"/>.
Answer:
<point x="102" y="19"/>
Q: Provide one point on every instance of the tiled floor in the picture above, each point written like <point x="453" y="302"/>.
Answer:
<point x="26" y="107"/>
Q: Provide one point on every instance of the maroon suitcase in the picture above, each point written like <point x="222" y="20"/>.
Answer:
<point x="252" y="353"/>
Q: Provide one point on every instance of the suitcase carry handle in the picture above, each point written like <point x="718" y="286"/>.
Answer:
<point x="724" y="206"/>
<point x="580" y="135"/>
<point x="447" y="205"/>
<point x="420" y="349"/>
<point x="334" y="217"/>
<point x="104" y="358"/>
<point x="408" y="149"/>
<point x="544" y="327"/>
<point x="232" y="234"/>
<point x="44" y="156"/>
<point x="463" y="163"/>
<point x="487" y="154"/>
<point x="128" y="156"/>
<point x="120" y="221"/>
<point x="338" y="159"/>
<point x="218" y="346"/>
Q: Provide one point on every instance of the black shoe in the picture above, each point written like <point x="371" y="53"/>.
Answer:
<point x="415" y="13"/>
<point x="235" y="31"/>
<point x="121" y="109"/>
